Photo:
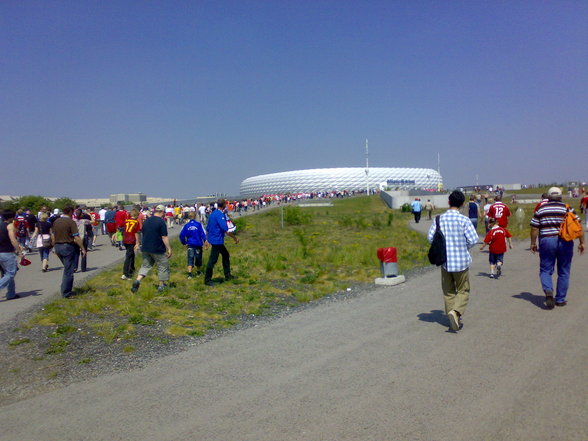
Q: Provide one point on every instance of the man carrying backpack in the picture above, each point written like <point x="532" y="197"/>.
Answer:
<point x="460" y="236"/>
<point x="545" y="226"/>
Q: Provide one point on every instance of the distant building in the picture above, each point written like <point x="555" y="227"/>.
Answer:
<point x="339" y="179"/>
<point x="133" y="198"/>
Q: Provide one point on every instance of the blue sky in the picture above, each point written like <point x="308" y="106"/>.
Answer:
<point x="181" y="99"/>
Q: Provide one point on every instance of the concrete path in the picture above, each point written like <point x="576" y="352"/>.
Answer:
<point x="36" y="287"/>
<point x="380" y="366"/>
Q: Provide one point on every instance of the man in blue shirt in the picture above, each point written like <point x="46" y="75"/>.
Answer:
<point x="194" y="237"/>
<point x="417" y="208"/>
<point x="217" y="228"/>
<point x="460" y="236"/>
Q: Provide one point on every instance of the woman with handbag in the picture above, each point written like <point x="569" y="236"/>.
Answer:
<point x="43" y="240"/>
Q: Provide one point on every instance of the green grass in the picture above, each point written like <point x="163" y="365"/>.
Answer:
<point x="319" y="251"/>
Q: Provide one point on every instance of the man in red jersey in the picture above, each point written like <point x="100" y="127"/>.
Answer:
<point x="499" y="211"/>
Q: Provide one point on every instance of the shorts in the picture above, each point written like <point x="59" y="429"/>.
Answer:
<point x="111" y="227"/>
<point x="495" y="258"/>
<point x="195" y="256"/>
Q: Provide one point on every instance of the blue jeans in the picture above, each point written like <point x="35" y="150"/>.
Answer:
<point x="195" y="254"/>
<point x="474" y="222"/>
<point x="44" y="253"/>
<point x="9" y="266"/>
<point x="67" y="254"/>
<point x="551" y="250"/>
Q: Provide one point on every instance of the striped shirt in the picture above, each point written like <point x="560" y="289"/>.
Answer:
<point x="460" y="236"/>
<point x="548" y="218"/>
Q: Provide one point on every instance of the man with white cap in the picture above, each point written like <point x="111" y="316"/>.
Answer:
<point x="545" y="226"/>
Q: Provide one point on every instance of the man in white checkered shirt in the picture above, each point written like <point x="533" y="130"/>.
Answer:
<point x="460" y="236"/>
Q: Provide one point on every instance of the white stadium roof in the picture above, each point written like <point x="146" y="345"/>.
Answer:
<point x="340" y="179"/>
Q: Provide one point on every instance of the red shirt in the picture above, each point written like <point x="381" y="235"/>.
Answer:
<point x="95" y="218"/>
<point x="21" y="226"/>
<point x="119" y="218"/>
<point x="500" y="212"/>
<point x="131" y="228"/>
<point x="543" y="201"/>
<point x="496" y="237"/>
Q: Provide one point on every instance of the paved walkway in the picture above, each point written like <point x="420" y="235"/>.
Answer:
<point x="36" y="287"/>
<point x="380" y="366"/>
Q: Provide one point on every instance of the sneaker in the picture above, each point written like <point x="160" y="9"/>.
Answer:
<point x="210" y="283"/>
<point x="453" y="320"/>
<point x="498" y="270"/>
<point x="549" y="303"/>
<point x="492" y="276"/>
<point x="189" y="277"/>
<point x="124" y="277"/>
<point x="229" y="277"/>
<point x="135" y="286"/>
<point x="198" y="273"/>
<point x="564" y="303"/>
<point x="161" y="288"/>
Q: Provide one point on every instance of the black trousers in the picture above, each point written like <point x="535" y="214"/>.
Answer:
<point x="214" y="252"/>
<point x="417" y="216"/>
<point x="129" y="265"/>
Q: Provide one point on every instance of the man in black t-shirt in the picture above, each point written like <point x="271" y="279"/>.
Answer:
<point x="155" y="248"/>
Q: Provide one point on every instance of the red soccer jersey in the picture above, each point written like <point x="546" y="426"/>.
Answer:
<point x="95" y="218"/>
<point x="500" y="212"/>
<point x="119" y="218"/>
<point x="496" y="237"/>
<point x="21" y="226"/>
<point x="131" y="228"/>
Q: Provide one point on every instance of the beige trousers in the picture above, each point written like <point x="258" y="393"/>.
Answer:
<point x="456" y="290"/>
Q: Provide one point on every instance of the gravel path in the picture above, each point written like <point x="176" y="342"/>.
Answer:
<point x="378" y="364"/>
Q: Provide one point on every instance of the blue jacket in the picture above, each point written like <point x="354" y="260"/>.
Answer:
<point x="217" y="227"/>
<point x="193" y="234"/>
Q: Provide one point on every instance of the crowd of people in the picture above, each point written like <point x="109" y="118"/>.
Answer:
<point x="460" y="234"/>
<point x="70" y="233"/>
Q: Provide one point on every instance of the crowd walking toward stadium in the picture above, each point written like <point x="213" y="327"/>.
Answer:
<point x="71" y="233"/>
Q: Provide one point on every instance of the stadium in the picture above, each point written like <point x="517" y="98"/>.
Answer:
<point x="341" y="179"/>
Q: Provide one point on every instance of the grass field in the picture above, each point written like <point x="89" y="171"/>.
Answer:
<point x="319" y="251"/>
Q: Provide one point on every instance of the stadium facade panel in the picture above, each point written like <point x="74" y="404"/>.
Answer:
<point x="341" y="179"/>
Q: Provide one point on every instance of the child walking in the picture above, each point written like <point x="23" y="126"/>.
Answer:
<point x="194" y="237"/>
<point x="131" y="241"/>
<point x="497" y="238"/>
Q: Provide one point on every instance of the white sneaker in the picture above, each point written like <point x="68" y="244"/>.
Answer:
<point x="453" y="320"/>
<point x="124" y="277"/>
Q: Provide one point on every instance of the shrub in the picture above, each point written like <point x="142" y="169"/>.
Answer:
<point x="295" y="216"/>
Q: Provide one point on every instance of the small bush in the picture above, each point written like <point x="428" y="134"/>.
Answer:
<point x="295" y="216"/>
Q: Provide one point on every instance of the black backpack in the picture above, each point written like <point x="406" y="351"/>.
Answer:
<point x="437" y="252"/>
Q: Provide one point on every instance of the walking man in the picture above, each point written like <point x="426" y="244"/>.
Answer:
<point x="429" y="207"/>
<point x="9" y="249"/>
<point x="217" y="228"/>
<point x="545" y="226"/>
<point x="66" y="238"/>
<point x="474" y="212"/>
<point x="155" y="248"/>
<point x="417" y="208"/>
<point x="460" y="236"/>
